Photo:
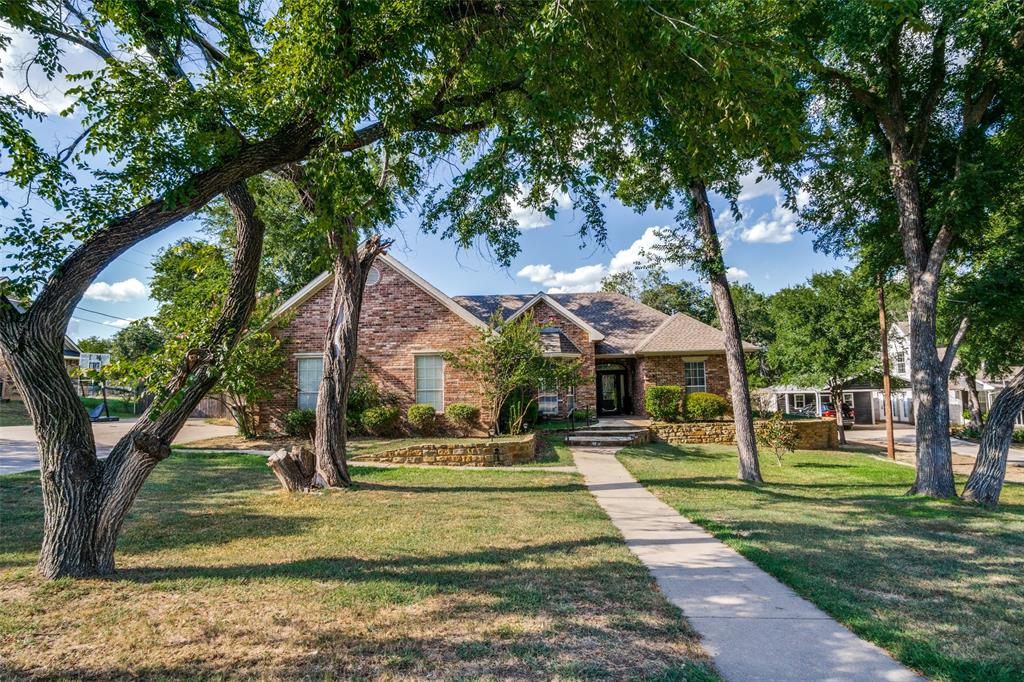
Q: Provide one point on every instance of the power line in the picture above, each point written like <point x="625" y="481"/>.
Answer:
<point x="96" y="312"/>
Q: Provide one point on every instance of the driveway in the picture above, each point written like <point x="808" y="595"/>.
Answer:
<point x="18" y="443"/>
<point x="906" y="440"/>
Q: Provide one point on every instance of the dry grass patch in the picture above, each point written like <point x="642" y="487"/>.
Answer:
<point x="937" y="583"/>
<point x="415" y="573"/>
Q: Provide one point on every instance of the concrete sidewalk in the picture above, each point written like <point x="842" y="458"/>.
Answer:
<point x="753" y="626"/>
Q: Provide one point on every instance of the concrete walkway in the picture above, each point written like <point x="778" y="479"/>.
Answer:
<point x="753" y="626"/>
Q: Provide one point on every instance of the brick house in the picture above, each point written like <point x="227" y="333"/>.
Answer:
<point x="407" y="325"/>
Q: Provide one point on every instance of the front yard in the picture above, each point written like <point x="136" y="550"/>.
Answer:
<point x="938" y="584"/>
<point x="415" y="572"/>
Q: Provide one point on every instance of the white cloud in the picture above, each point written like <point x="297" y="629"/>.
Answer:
<point x="588" y="277"/>
<point x="118" y="292"/>
<point x="639" y="252"/>
<point x="736" y="274"/>
<point x="778" y="226"/>
<point x="120" y="324"/>
<point x="530" y="218"/>
<point x="583" y="278"/>
<point x="750" y="188"/>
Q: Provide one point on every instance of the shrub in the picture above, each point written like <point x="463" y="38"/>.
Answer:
<point x="463" y="416"/>
<point x="300" y="423"/>
<point x="664" y="403"/>
<point x="777" y="434"/>
<point x="422" y="417"/>
<point x="1018" y="436"/>
<point x="705" y="406"/>
<point x="381" y="421"/>
<point x="518" y="413"/>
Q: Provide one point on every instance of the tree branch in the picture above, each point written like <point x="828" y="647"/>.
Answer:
<point x="954" y="345"/>
<point x="933" y="92"/>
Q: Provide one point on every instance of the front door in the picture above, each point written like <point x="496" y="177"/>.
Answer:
<point x="611" y="390"/>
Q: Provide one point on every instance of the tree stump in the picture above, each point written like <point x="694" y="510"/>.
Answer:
<point x="296" y="470"/>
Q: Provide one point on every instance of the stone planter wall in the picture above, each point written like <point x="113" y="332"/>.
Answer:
<point x="493" y="453"/>
<point x="812" y="434"/>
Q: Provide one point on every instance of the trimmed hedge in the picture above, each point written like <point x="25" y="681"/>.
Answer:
<point x="463" y="416"/>
<point x="422" y="418"/>
<point x="664" y="403"/>
<point x="300" y="423"/>
<point x="705" y="406"/>
<point x="382" y="420"/>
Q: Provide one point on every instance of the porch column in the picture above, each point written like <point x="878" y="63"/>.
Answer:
<point x="785" y="409"/>
<point x="817" y="404"/>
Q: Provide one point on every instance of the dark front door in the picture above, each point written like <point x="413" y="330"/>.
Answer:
<point x="611" y="392"/>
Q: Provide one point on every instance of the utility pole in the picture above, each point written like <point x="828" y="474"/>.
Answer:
<point x="890" y="442"/>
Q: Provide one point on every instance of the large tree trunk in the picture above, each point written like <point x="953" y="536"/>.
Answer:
<point x="714" y="264"/>
<point x="973" y="401"/>
<point x="85" y="500"/>
<point x="351" y="267"/>
<point x="836" y="394"/>
<point x="986" y="480"/>
<point x="929" y="376"/>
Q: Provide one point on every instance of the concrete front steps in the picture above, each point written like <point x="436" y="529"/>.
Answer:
<point x="616" y="436"/>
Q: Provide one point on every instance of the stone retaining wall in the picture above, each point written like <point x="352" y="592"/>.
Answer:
<point x="493" y="453"/>
<point x="812" y="434"/>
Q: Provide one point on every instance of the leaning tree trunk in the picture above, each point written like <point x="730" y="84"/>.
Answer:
<point x="351" y="267"/>
<point x="746" y="442"/>
<point x="973" y="401"/>
<point x="986" y="480"/>
<point x="85" y="500"/>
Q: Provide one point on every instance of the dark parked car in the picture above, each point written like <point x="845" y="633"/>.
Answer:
<point x="828" y="410"/>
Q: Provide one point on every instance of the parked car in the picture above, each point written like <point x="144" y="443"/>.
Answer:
<point x="828" y="410"/>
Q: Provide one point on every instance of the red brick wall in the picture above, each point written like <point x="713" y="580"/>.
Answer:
<point x="398" y="319"/>
<point x="667" y="370"/>
<point x="586" y="393"/>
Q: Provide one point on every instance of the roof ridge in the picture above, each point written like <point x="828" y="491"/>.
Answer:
<point x="647" y="339"/>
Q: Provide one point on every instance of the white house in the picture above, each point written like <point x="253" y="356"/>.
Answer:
<point x="868" y="400"/>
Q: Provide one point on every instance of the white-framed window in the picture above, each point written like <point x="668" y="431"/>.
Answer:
<point x="570" y="398"/>
<point x="309" y="371"/>
<point x="430" y="381"/>
<point x="899" y="362"/>
<point x="848" y="399"/>
<point x="799" y="401"/>
<point x="694" y="377"/>
<point x="547" y="398"/>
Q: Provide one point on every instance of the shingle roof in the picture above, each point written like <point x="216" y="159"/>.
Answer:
<point x="555" y="342"/>
<point x="625" y="323"/>
<point x="682" y="333"/>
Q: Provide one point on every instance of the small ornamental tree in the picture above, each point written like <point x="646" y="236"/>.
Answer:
<point x="507" y="359"/>
<point x="776" y="434"/>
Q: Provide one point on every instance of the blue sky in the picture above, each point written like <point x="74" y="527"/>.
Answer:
<point x="763" y="249"/>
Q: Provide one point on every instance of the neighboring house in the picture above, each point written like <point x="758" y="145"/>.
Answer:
<point x="93" y="360"/>
<point x="407" y="325"/>
<point x="72" y="358"/>
<point x="868" y="400"/>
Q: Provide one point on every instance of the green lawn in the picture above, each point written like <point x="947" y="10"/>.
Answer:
<point x="13" y="413"/>
<point x="449" y="573"/>
<point x="938" y="584"/>
<point x="119" y="407"/>
<point x="552" y="452"/>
